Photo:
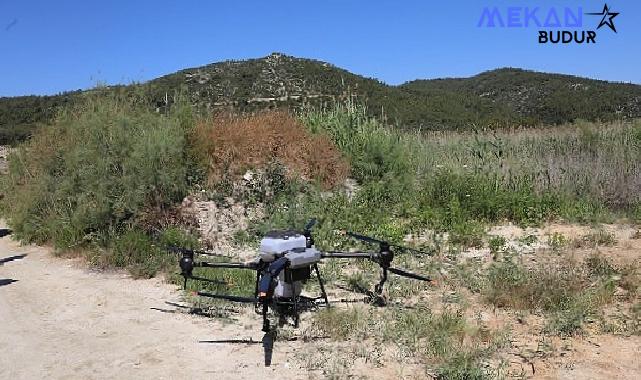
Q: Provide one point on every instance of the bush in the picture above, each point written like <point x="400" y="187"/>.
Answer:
<point x="231" y="145"/>
<point x="497" y="244"/>
<point x="468" y="234"/>
<point x="557" y="242"/>
<point x="374" y="151"/>
<point x="90" y="175"/>
<point x="569" y="292"/>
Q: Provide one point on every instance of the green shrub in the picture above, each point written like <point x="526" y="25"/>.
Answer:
<point x="134" y="249"/>
<point x="375" y="152"/>
<point x="462" y="366"/>
<point x="343" y="324"/>
<point x="497" y="244"/>
<point x="568" y="292"/>
<point x="177" y="237"/>
<point x="557" y="242"/>
<point x="468" y="234"/>
<point x="568" y="321"/>
<point x="443" y="341"/>
<point x="94" y="172"/>
<point x="599" y="265"/>
<point x="528" y="239"/>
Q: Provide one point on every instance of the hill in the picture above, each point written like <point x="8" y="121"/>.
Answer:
<point x="503" y="97"/>
<point x="534" y="97"/>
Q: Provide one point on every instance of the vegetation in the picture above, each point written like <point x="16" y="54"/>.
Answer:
<point x="21" y="116"/>
<point x="409" y="182"/>
<point x="511" y="95"/>
<point x="230" y="146"/>
<point x="107" y="178"/>
<point x="494" y="99"/>
<point x="448" y="345"/>
<point x="101" y="176"/>
<point x="564" y="289"/>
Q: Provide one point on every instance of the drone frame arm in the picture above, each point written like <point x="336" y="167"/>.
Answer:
<point x="347" y="255"/>
<point x="205" y="264"/>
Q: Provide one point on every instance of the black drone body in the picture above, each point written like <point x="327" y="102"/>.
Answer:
<point x="286" y="261"/>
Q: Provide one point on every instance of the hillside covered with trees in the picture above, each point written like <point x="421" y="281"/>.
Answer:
<point x="499" y="98"/>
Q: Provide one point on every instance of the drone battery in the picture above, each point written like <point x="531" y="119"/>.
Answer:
<point x="303" y="257"/>
<point x="287" y="290"/>
<point x="300" y="274"/>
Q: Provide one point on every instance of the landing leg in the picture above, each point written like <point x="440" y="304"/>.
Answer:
<point x="320" y="282"/>
<point x="296" y="316"/>
<point x="268" y="346"/>
<point x="266" y="326"/>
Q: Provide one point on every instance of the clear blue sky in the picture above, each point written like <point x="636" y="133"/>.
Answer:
<point x="57" y="45"/>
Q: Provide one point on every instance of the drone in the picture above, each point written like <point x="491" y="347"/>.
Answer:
<point x="287" y="259"/>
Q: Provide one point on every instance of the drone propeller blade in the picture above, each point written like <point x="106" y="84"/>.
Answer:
<point x="310" y="224"/>
<point x="364" y="238"/>
<point x="192" y="252"/>
<point x="408" y="249"/>
<point x="228" y="297"/>
<point x="346" y="255"/>
<point x="404" y="273"/>
<point x="372" y="240"/>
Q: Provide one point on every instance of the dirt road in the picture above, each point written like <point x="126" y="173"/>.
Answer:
<point x="60" y="320"/>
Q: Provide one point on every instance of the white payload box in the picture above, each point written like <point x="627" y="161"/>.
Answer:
<point x="279" y="242"/>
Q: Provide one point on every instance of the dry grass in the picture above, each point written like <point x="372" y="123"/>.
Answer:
<point x="593" y="159"/>
<point x="231" y="145"/>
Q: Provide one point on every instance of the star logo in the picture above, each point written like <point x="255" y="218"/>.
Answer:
<point x="607" y="18"/>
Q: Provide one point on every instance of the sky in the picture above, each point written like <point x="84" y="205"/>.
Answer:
<point x="52" y="46"/>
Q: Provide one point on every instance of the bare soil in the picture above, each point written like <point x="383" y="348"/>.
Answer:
<point x="59" y="320"/>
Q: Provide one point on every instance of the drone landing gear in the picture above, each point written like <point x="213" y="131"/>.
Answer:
<point x="322" y="286"/>
<point x="268" y="346"/>
<point x="377" y="298"/>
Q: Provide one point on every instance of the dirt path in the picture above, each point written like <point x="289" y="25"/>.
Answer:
<point x="58" y="320"/>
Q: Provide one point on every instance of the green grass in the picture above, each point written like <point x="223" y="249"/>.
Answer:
<point x="497" y="244"/>
<point x="444" y="342"/>
<point x="569" y="293"/>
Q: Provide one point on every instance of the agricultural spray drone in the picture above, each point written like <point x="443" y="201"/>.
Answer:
<point x="287" y="259"/>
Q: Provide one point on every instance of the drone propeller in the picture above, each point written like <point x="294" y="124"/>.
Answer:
<point x="382" y="243"/>
<point x="227" y="297"/>
<point x="404" y="273"/>
<point x="192" y="252"/>
<point x="187" y="265"/>
<point x="308" y="232"/>
<point x="308" y="227"/>
<point x="364" y="238"/>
